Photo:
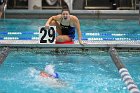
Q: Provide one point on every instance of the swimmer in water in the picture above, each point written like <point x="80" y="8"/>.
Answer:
<point x="49" y="76"/>
<point x="49" y="72"/>
<point x="53" y="77"/>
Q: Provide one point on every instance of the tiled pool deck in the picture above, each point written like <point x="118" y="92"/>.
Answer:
<point x="35" y="43"/>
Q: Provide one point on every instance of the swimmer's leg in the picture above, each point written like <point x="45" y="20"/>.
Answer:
<point x="63" y="38"/>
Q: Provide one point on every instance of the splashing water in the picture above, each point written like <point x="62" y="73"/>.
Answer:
<point x="50" y="69"/>
<point x="49" y="81"/>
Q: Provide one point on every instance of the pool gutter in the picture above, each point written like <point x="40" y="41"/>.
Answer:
<point x="103" y="45"/>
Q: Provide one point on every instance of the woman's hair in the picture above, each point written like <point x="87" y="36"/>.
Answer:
<point x="65" y="6"/>
<point x="65" y="9"/>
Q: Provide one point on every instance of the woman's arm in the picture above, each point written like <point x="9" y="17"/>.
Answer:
<point x="77" y="25"/>
<point x="55" y="18"/>
<point x="49" y="21"/>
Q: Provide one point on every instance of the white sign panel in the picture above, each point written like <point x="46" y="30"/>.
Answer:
<point x="47" y="36"/>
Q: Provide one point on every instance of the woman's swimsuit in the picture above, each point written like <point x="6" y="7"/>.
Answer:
<point x="67" y="30"/>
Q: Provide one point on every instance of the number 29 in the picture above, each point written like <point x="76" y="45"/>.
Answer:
<point x="47" y="36"/>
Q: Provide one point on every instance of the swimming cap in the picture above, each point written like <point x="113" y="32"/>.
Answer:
<point x="50" y="70"/>
<point x="55" y="75"/>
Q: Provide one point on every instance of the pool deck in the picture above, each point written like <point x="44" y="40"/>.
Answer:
<point x="102" y="14"/>
<point x="88" y="44"/>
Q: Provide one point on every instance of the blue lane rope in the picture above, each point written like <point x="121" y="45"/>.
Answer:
<point x="88" y="36"/>
<point x="126" y="77"/>
<point x="90" y="39"/>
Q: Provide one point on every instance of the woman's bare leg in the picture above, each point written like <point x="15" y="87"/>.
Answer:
<point x="63" y="38"/>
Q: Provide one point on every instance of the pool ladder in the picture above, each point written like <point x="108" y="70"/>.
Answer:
<point x="126" y="77"/>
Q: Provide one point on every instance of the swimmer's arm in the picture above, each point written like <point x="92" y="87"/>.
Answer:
<point x="49" y="21"/>
<point x="77" y="25"/>
<point x="55" y="18"/>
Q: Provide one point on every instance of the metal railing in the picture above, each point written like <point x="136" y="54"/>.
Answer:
<point x="139" y="11"/>
<point x="5" y="6"/>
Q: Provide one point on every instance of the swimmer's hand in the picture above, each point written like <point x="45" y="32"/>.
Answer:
<point x="47" y="26"/>
<point x="81" y="43"/>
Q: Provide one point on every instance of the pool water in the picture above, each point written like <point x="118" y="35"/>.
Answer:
<point x="92" y="29"/>
<point x="80" y="73"/>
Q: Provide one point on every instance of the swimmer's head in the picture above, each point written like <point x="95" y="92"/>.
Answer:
<point x="65" y="13"/>
<point x="50" y="70"/>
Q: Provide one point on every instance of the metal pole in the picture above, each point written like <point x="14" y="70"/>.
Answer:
<point x="126" y="77"/>
<point x="5" y="6"/>
<point x="139" y="11"/>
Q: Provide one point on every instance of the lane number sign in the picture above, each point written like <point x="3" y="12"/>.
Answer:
<point x="47" y="36"/>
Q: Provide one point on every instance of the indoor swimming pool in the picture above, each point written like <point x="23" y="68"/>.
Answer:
<point x="80" y="73"/>
<point x="92" y="29"/>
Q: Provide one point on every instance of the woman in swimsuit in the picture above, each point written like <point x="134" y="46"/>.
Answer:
<point x="65" y="25"/>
